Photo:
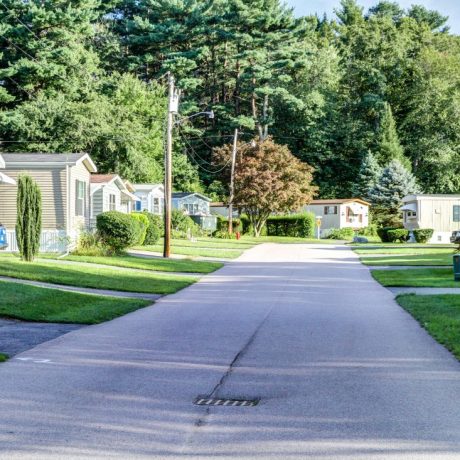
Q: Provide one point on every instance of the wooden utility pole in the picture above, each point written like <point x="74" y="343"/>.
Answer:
<point x="232" y="183"/>
<point x="173" y="104"/>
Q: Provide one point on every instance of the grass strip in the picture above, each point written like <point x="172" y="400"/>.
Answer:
<point x="416" y="260"/>
<point x="439" y="315"/>
<point x="32" y="303"/>
<point x="94" y="277"/>
<point x="419" y="277"/>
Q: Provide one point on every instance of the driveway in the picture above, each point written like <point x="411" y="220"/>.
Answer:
<point x="341" y="371"/>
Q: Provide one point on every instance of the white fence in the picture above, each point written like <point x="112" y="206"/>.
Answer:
<point x="50" y="241"/>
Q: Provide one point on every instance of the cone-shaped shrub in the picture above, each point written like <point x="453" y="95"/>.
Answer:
<point x="29" y="218"/>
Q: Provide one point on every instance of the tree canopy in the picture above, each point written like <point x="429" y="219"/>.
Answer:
<point x="89" y="75"/>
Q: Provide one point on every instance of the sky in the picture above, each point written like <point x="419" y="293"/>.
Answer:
<point x="449" y="8"/>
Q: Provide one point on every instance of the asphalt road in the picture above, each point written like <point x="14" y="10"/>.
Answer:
<point x="341" y="371"/>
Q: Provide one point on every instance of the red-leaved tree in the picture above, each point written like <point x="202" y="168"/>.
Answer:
<point x="268" y="179"/>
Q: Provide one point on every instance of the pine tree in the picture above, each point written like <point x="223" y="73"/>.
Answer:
<point x="368" y="176"/>
<point x="389" y="146"/>
<point x="386" y="196"/>
<point x="29" y="218"/>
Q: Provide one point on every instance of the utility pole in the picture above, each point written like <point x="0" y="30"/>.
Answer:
<point x="232" y="183"/>
<point x="173" y="105"/>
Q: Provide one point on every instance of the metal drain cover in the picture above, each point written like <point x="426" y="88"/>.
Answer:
<point x="204" y="401"/>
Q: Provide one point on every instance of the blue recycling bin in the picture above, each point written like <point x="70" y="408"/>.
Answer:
<point x="3" y="239"/>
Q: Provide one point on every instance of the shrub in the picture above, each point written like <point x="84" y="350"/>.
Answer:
<point x="29" y="218"/>
<point x="117" y="230"/>
<point x="183" y="226"/>
<point x="398" y="234"/>
<point x="423" y="235"/>
<point x="383" y="233"/>
<point x="90" y="244"/>
<point x="224" y="235"/>
<point x="222" y="224"/>
<point x="294" y="225"/>
<point x="155" y="229"/>
<point x="144" y="223"/>
<point x="346" y="233"/>
<point x="370" y="230"/>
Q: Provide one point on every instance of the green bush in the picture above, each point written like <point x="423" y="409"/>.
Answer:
<point x="90" y="244"/>
<point x="117" y="230"/>
<point x="224" y="235"/>
<point x="423" y="235"/>
<point x="346" y="233"/>
<point x="143" y="226"/>
<point x="155" y="229"/>
<point x="222" y="224"/>
<point x="182" y="224"/>
<point x="383" y="233"/>
<point x="294" y="225"/>
<point x="370" y="230"/>
<point x="398" y="234"/>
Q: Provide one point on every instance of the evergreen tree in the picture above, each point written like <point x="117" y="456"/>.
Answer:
<point x="393" y="185"/>
<point x="368" y="176"/>
<point x="29" y="218"/>
<point x="389" y="146"/>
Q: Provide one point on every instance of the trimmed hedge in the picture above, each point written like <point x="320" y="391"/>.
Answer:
<point x="294" y="225"/>
<point x="398" y="234"/>
<point x="144" y="223"/>
<point x="383" y="233"/>
<point x="117" y="230"/>
<point x="155" y="229"/>
<point x="423" y="235"/>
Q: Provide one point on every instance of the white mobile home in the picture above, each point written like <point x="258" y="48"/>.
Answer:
<point x="110" y="193"/>
<point x="151" y="196"/>
<point x="341" y="213"/>
<point x="439" y="212"/>
<point x="64" y="181"/>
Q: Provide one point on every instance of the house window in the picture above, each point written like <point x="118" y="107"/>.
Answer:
<point x="330" y="210"/>
<point x="80" y="198"/>
<point x="411" y="214"/>
<point x="456" y="213"/>
<point x="112" y="202"/>
<point x="156" y="206"/>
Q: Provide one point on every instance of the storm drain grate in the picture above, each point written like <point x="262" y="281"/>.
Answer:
<point x="203" y="401"/>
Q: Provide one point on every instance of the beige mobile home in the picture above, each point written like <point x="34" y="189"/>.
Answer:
<point x="439" y="212"/>
<point x="64" y="180"/>
<point x="341" y="213"/>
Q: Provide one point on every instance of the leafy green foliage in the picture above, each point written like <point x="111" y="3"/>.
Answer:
<point x="29" y="217"/>
<point x="345" y="233"/>
<point x="143" y="226"/>
<point x="423" y="235"/>
<point x="398" y="234"/>
<point x="117" y="230"/>
<point x="294" y="225"/>
<point x="383" y="233"/>
<point x="155" y="228"/>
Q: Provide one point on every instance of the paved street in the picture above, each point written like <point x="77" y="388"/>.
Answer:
<point x="341" y="371"/>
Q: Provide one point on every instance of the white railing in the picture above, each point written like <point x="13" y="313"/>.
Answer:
<point x="50" y="241"/>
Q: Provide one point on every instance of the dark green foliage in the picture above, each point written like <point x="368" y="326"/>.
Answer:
<point x="398" y="234"/>
<point x="29" y="218"/>
<point x="224" y="235"/>
<point x="117" y="230"/>
<point x="345" y="233"/>
<point x="222" y="224"/>
<point x="383" y="233"/>
<point x="370" y="230"/>
<point x="423" y="235"/>
<point x="155" y="229"/>
<point x="295" y="225"/>
<point x="143" y="226"/>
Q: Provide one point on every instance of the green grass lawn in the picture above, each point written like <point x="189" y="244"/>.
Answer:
<point x="194" y="251"/>
<point x="403" y="249"/>
<point x="442" y="258"/>
<point x="439" y="315"/>
<point x="31" y="303"/>
<point x="163" y="265"/>
<point x="420" y="277"/>
<point x="94" y="277"/>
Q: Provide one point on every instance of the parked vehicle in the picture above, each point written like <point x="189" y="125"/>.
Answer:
<point x="455" y="237"/>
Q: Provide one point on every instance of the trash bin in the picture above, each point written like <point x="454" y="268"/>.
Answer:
<point x="3" y="240"/>
<point x="456" y="258"/>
